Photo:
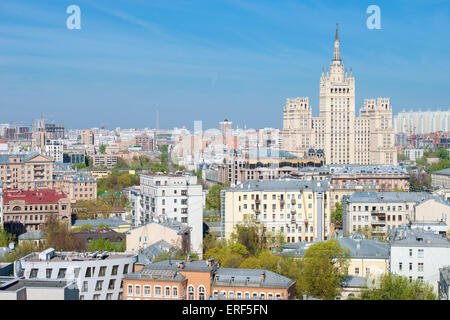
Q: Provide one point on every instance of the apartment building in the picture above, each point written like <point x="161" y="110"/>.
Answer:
<point x="235" y="170"/>
<point x="54" y="149"/>
<point x="387" y="177"/>
<point x="26" y="171"/>
<point x="171" y="231"/>
<point x="25" y="211"/>
<point x="98" y="275"/>
<point x="368" y="258"/>
<point x="441" y="178"/>
<point x="419" y="254"/>
<point x="176" y="196"/>
<point x="300" y="210"/>
<point x="77" y="187"/>
<point x="343" y="137"/>
<point x="379" y="210"/>
<point x="204" y="280"/>
<point x="145" y="141"/>
<point x="104" y="160"/>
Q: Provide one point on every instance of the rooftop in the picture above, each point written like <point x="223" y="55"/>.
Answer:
<point x="250" y="278"/>
<point x="14" y="284"/>
<point x="417" y="237"/>
<point x="113" y="222"/>
<point x="367" y="169"/>
<point x="156" y="274"/>
<point x="385" y="197"/>
<point x="445" y="172"/>
<point x="33" y="196"/>
<point x="75" y="256"/>
<point x="281" y="185"/>
<point x="194" y="265"/>
<point x="32" y="235"/>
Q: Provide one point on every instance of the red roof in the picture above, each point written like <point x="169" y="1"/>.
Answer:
<point x="34" y="196"/>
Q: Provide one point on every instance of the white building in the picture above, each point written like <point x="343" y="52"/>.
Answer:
<point x="54" y="149"/>
<point x="414" y="154"/>
<point x="177" y="196"/>
<point x="137" y="212"/>
<point x="98" y="275"/>
<point x="419" y="254"/>
<point x="420" y="122"/>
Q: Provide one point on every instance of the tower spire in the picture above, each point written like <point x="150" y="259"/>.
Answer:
<point x="337" y="54"/>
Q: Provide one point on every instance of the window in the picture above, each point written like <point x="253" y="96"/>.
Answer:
<point x="410" y="266"/>
<point x="77" y="272"/>
<point x="175" y="291"/>
<point x="410" y="252"/>
<point x="201" y="293"/>
<point x="420" y="253"/>
<point x="130" y="289"/>
<point x="400" y="266"/>
<point x="111" y="285"/>
<point x="147" y="290"/>
<point x="99" y="285"/>
<point x="109" y="296"/>
<point x="114" y="270"/>
<point x="420" y="267"/>
<point x="102" y="271"/>
<point x="239" y="295"/>
<point x="356" y="270"/>
<point x="158" y="291"/>
<point x="231" y="294"/>
<point x="62" y="273"/>
<point x="48" y="273"/>
<point x="96" y="297"/>
<point x="33" y="273"/>
<point x="85" y="286"/>
<point x="125" y="269"/>
<point x="247" y="295"/>
<point x="88" y="272"/>
<point x="367" y="271"/>
<point x="167" y="289"/>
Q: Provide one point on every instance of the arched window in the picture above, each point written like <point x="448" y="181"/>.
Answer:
<point x="138" y="290"/>
<point x="130" y="289"/>
<point x="191" y="293"/>
<point x="201" y="293"/>
<point x="16" y="208"/>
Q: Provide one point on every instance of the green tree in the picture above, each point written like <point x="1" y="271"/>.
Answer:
<point x="6" y="238"/>
<point x="102" y="245"/>
<point x="59" y="237"/>
<point x="213" y="197"/>
<point x="322" y="269"/>
<point x="396" y="287"/>
<point x="336" y="214"/>
<point x="102" y="148"/>
<point x="251" y="263"/>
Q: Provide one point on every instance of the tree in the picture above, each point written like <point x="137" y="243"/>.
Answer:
<point x="336" y="214"/>
<point x="60" y="238"/>
<point x="251" y="263"/>
<point x="322" y="268"/>
<point x="213" y="197"/>
<point x="102" y="245"/>
<point x="396" y="287"/>
<point x="6" y="238"/>
<point x="102" y="148"/>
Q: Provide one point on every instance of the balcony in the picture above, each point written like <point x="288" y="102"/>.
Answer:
<point x="257" y="201"/>
<point x="379" y="223"/>
<point x="293" y="201"/>
<point x="377" y="213"/>
<point x="281" y="202"/>
<point x="293" y="211"/>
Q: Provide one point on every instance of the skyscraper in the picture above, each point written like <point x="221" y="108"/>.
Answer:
<point x="343" y="137"/>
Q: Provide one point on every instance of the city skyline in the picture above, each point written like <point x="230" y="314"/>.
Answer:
<point x="126" y="62"/>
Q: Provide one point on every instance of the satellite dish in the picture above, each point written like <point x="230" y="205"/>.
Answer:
<point x="17" y="269"/>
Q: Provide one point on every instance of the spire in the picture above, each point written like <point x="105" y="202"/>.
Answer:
<point x="337" y="37"/>
<point x="337" y="54"/>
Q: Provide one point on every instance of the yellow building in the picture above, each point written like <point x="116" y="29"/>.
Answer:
<point x="299" y="209"/>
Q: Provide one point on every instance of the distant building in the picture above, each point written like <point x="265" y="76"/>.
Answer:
<point x="145" y="141"/>
<point x="78" y="187"/>
<point x="414" y="154"/>
<point x="204" y="280"/>
<point x="114" y="223"/>
<point x="54" y="149"/>
<point x="35" y="237"/>
<point x="98" y="275"/>
<point x="104" y="160"/>
<point x="418" y="254"/>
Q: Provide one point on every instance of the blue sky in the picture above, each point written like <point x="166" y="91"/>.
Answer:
<point x="212" y="59"/>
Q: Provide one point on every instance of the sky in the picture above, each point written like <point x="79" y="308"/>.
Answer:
<point x="211" y="60"/>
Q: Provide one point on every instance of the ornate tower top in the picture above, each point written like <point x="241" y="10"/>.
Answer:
<point x="337" y="54"/>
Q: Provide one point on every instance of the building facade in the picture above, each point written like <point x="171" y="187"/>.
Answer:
<point x="98" y="275"/>
<point x="299" y="210"/>
<point x="25" y="211"/>
<point x="343" y="137"/>
<point x="175" y="196"/>
<point x="204" y="280"/>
